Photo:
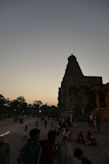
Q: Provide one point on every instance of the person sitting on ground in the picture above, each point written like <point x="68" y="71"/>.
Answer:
<point x="80" y="156"/>
<point x="80" y="138"/>
<point x="90" y="139"/>
<point x="93" y="140"/>
<point x="30" y="152"/>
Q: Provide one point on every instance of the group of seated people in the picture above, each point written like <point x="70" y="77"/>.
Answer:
<point x="64" y="131"/>
<point x="89" y="140"/>
<point x="66" y="135"/>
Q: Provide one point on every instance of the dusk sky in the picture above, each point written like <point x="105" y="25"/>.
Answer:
<point x="37" y="37"/>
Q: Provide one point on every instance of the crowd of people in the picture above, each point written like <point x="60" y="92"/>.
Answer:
<point x="37" y="151"/>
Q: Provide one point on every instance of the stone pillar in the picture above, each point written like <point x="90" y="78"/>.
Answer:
<point x="107" y="97"/>
<point x="97" y="100"/>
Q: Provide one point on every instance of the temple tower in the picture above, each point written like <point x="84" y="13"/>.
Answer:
<point x="74" y="93"/>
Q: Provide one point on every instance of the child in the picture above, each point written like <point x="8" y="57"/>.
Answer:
<point x="80" y="138"/>
<point x="25" y="136"/>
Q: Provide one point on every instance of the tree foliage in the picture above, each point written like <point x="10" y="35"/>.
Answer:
<point x="19" y="106"/>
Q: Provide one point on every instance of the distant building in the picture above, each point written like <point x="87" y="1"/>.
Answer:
<point x="81" y="94"/>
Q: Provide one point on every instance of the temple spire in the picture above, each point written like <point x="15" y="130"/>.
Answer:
<point x="73" y="69"/>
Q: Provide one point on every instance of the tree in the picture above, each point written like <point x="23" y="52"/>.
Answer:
<point x="22" y="105"/>
<point x="2" y="101"/>
<point x="14" y="106"/>
<point x="2" y="104"/>
<point x="37" y="104"/>
<point x="18" y="105"/>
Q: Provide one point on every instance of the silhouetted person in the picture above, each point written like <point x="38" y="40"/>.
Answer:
<point x="45" y="123"/>
<point x="4" y="151"/>
<point x="48" y="149"/>
<point x="25" y="136"/>
<point x="90" y="120"/>
<point x="36" y="123"/>
<point x="30" y="152"/>
<point x="80" y="156"/>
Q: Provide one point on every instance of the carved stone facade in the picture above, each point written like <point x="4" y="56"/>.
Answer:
<point x="102" y="102"/>
<point x="78" y="92"/>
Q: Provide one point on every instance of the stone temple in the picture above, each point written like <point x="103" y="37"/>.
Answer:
<point x="81" y="94"/>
